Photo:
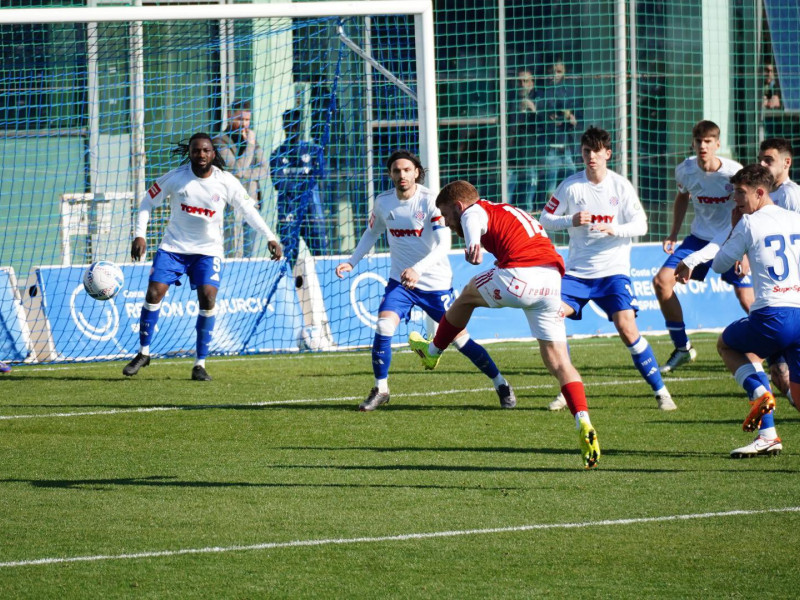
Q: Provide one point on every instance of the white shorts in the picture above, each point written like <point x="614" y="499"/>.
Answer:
<point x="536" y="290"/>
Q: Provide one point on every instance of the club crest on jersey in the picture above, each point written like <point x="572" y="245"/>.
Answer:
<point x="419" y="215"/>
<point x="215" y="198"/>
<point x="613" y="201"/>
<point x="154" y="190"/>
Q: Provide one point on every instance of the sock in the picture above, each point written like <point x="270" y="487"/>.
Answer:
<point x="677" y="331"/>
<point x="381" y="356"/>
<point x="747" y="377"/>
<point x="645" y="362"/>
<point x="205" y="327"/>
<point x="762" y="376"/>
<point x="382" y="385"/>
<point x="144" y="350"/>
<point x="200" y="362"/>
<point x="445" y="334"/>
<point x="147" y="324"/>
<point x="478" y="355"/>
<point x="499" y="380"/>
<point x="576" y="397"/>
<point x="767" y="427"/>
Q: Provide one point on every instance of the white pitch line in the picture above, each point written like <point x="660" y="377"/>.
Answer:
<point x="152" y="409"/>
<point x="391" y="538"/>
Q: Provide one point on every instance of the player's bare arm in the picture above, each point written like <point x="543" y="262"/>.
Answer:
<point x="275" y="250"/>
<point x="678" y="213"/>
<point x="138" y="248"/>
<point x="474" y="254"/>
<point x="409" y="278"/>
<point x="343" y="268"/>
<point x="581" y="218"/>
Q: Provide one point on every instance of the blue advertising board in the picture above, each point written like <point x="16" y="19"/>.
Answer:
<point x="352" y="302"/>
<point x="81" y="328"/>
<point x="13" y="328"/>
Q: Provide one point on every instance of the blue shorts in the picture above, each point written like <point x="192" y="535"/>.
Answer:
<point x="401" y="300"/>
<point x="612" y="294"/>
<point x="692" y="244"/>
<point x="169" y="267"/>
<point x="768" y="331"/>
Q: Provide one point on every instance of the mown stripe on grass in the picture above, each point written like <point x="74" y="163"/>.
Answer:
<point x="152" y="409"/>
<point x="390" y="538"/>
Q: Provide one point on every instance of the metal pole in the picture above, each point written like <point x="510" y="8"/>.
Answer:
<point x="502" y="66"/>
<point x="621" y="89"/>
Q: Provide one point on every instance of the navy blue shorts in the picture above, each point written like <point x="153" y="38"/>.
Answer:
<point x="692" y="244"/>
<point x="612" y="294"/>
<point x="202" y="269"/>
<point x="401" y="300"/>
<point x="768" y="331"/>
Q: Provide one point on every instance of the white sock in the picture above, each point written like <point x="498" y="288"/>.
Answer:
<point x="200" y="362"/>
<point x="581" y="415"/>
<point x="769" y="433"/>
<point x="145" y="350"/>
<point x="433" y="350"/>
<point x="382" y="385"/>
<point x="499" y="380"/>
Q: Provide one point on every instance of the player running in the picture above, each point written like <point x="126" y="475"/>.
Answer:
<point x="419" y="275"/>
<point x="527" y="275"/>
<point x="770" y="238"/>
<point x="704" y="180"/>
<point x="192" y="243"/>
<point x="602" y="212"/>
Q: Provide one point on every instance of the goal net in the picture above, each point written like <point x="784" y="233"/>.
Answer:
<point x="304" y="101"/>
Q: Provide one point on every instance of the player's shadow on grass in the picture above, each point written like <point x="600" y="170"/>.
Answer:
<point x="170" y="481"/>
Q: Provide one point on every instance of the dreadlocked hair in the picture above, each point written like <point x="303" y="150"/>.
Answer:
<point x="182" y="149"/>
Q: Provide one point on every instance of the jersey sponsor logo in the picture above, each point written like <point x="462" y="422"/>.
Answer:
<point x="154" y="190"/>
<point x="406" y="232"/>
<point x="602" y="218"/>
<point x="198" y="210"/>
<point x="712" y="199"/>
<point x="782" y="290"/>
<point x="552" y="205"/>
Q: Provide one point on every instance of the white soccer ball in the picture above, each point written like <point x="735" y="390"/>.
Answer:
<point x="311" y="339"/>
<point x="103" y="280"/>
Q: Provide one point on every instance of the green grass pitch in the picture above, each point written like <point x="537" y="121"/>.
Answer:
<point x="267" y="482"/>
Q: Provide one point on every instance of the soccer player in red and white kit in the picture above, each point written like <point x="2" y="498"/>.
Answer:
<point x="527" y="275"/>
<point x="704" y="180"/>
<point x="602" y="212"/>
<point x="192" y="244"/>
<point x="419" y="273"/>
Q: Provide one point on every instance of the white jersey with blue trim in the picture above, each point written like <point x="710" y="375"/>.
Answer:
<point x="416" y="234"/>
<point x="595" y="254"/>
<point x="787" y="196"/>
<point x="197" y="206"/>
<point x="771" y="239"/>
<point x="710" y="194"/>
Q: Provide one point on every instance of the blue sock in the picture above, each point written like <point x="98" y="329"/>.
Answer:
<point x="677" y="331"/>
<point x="480" y="358"/>
<point x="381" y="355"/>
<point x="147" y="325"/>
<point x="767" y="421"/>
<point x="645" y="362"/>
<point x="748" y="377"/>
<point x="204" y="326"/>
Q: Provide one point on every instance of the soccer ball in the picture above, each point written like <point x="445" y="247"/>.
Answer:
<point x="103" y="280"/>
<point x="312" y="339"/>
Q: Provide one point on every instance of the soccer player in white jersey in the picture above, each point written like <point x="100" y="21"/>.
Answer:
<point x="602" y="212"/>
<point x="770" y="238"/>
<point x="192" y="244"/>
<point x="419" y="273"/>
<point x="776" y="155"/>
<point x="704" y="180"/>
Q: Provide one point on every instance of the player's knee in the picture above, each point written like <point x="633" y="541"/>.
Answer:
<point x="663" y="283"/>
<point x="385" y="326"/>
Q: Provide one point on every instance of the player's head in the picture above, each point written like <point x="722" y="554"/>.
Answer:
<point x="705" y="139"/>
<point x="751" y="186"/>
<point x="201" y="152"/>
<point x="239" y="115"/>
<point x="596" y="151"/>
<point x="776" y="154"/>
<point x="453" y="200"/>
<point x="405" y="170"/>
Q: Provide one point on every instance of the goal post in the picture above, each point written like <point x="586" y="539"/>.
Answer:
<point x="96" y="99"/>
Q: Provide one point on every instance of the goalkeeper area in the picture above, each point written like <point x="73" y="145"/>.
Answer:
<point x="331" y="89"/>
<point x="272" y="484"/>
